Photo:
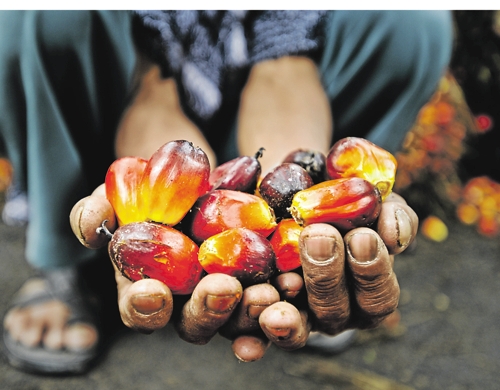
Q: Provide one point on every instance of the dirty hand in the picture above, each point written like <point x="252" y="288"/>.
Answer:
<point x="347" y="282"/>
<point x="333" y="303"/>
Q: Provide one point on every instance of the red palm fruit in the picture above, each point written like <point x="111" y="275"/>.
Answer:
<point x="238" y="174"/>
<point x="121" y="183"/>
<point x="221" y="210"/>
<point x="175" y="176"/>
<point x="279" y="186"/>
<point x="144" y="250"/>
<point x="6" y="173"/>
<point x="345" y="203"/>
<point x="285" y="243"/>
<point x="488" y="226"/>
<point x="358" y="157"/>
<point x="238" y="252"/>
<point x="313" y="162"/>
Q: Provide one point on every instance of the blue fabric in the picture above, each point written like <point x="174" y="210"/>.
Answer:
<point x="65" y="76"/>
<point x="380" y="67"/>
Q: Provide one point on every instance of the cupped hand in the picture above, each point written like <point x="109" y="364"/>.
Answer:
<point x="345" y="282"/>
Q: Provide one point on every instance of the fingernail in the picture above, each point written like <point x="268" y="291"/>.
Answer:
<point x="363" y="247"/>
<point x="220" y="304"/>
<point x="280" y="333"/>
<point x="290" y="294"/>
<point x="404" y="228"/>
<point x="320" y="248"/>
<point x="254" y="311"/>
<point x="148" y="304"/>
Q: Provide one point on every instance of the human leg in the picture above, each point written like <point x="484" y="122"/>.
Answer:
<point x="68" y="74"/>
<point x="380" y="67"/>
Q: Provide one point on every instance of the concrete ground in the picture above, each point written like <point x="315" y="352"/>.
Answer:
<point x="448" y="337"/>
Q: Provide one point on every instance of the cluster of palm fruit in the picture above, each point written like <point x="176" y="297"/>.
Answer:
<point x="429" y="173"/>
<point x="177" y="219"/>
<point x="480" y="205"/>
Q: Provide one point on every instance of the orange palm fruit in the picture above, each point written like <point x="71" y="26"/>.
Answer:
<point x="285" y="243"/>
<point x="148" y="250"/>
<point x="468" y="213"/>
<point x="6" y="173"/>
<point x="358" y="157"/>
<point x="239" y="252"/>
<point x="221" y="210"/>
<point x="346" y="203"/>
<point x="434" y="229"/>
<point x="488" y="226"/>
<point x="121" y="183"/>
<point x="175" y="176"/>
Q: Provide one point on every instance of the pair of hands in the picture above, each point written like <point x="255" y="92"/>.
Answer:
<point x="345" y="282"/>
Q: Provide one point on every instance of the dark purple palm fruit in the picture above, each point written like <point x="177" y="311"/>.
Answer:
<point x="313" y="162"/>
<point x="279" y="186"/>
<point x="239" y="174"/>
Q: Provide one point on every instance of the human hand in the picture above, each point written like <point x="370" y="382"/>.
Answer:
<point x="148" y="305"/>
<point x="346" y="282"/>
<point x="326" y="297"/>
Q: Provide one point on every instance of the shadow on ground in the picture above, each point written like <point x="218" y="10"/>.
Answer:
<point x="448" y="337"/>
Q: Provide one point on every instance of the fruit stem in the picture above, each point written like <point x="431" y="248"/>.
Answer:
<point x="259" y="153"/>
<point x="104" y="230"/>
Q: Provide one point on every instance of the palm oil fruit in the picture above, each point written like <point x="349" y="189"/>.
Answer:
<point x="279" y="186"/>
<point x="312" y="161"/>
<point x="358" y="157"/>
<point x="239" y="252"/>
<point x="221" y="210"/>
<point x="148" y="250"/>
<point x="346" y="203"/>
<point x="239" y="174"/>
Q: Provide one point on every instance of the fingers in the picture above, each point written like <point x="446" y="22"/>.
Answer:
<point x="209" y="307"/>
<point x="100" y="191"/>
<point x="250" y="343"/>
<point x="87" y="215"/>
<point x="284" y="325"/>
<point x="322" y="255"/>
<point x="245" y="319"/>
<point x="261" y="319"/>
<point x="250" y="348"/>
<point x="289" y="285"/>
<point x="374" y="284"/>
<point x="397" y="224"/>
<point x="339" y="298"/>
<point x="145" y="305"/>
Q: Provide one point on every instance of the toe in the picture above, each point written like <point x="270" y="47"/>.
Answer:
<point x="80" y="336"/>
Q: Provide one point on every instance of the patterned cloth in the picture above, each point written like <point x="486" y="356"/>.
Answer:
<point x="199" y="48"/>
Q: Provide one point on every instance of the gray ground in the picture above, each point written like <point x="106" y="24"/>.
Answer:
<point x="449" y="338"/>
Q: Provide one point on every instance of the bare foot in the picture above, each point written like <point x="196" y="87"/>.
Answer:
<point x="44" y="322"/>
